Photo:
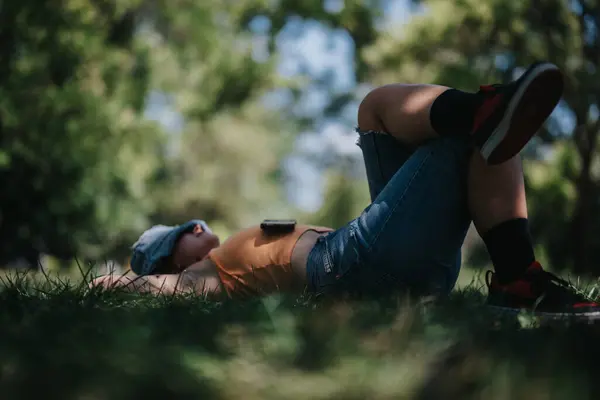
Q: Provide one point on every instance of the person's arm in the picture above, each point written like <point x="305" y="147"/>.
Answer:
<point x="164" y="284"/>
<point x="200" y="278"/>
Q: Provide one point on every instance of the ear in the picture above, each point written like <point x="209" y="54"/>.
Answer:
<point x="197" y="229"/>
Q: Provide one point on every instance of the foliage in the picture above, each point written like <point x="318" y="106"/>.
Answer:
<point x="72" y="82"/>
<point x="84" y="164"/>
<point x="346" y="199"/>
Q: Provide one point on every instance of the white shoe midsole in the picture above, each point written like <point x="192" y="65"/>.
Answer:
<point x="501" y="130"/>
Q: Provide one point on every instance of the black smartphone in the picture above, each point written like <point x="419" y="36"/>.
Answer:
<point x="277" y="226"/>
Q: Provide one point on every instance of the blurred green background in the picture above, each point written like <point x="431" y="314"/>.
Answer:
<point x="119" y="114"/>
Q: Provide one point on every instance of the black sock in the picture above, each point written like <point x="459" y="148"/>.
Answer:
<point x="510" y="248"/>
<point x="453" y="111"/>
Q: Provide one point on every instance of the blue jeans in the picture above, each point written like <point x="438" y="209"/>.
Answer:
<point x="410" y="236"/>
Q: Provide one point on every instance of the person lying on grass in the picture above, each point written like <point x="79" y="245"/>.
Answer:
<point x="426" y="185"/>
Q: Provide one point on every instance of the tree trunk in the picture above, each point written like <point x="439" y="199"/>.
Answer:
<point x="581" y="217"/>
<point x="585" y="139"/>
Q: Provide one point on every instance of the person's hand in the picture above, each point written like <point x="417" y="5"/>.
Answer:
<point x="106" y="282"/>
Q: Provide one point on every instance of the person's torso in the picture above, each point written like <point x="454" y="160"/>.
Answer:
<point x="252" y="262"/>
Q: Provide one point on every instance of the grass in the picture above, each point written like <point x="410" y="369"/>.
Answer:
<point x="59" y="341"/>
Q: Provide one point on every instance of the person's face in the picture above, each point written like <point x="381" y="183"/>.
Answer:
<point x="193" y="247"/>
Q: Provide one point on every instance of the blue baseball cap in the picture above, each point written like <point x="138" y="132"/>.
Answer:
<point x="157" y="243"/>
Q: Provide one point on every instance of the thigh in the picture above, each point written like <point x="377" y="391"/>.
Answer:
<point x="412" y="233"/>
<point x="383" y="156"/>
<point x="416" y="226"/>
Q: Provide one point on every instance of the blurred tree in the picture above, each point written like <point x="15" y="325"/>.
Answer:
<point x="228" y="169"/>
<point x="357" y="17"/>
<point x="356" y="20"/>
<point x="225" y="166"/>
<point x="345" y="199"/>
<point x="84" y="169"/>
<point x="466" y="42"/>
<point x="72" y="85"/>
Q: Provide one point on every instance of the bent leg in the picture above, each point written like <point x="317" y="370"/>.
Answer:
<point x="392" y="121"/>
<point x="499" y="119"/>
<point x="406" y="110"/>
<point x="383" y="156"/>
<point x="498" y="205"/>
<point x="496" y="192"/>
<point x="417" y="222"/>
<point x="412" y="233"/>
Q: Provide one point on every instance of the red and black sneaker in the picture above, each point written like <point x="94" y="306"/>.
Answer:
<point x="511" y="114"/>
<point x="541" y="292"/>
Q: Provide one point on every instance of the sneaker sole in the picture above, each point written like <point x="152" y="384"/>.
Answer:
<point x="590" y="316"/>
<point x="531" y="105"/>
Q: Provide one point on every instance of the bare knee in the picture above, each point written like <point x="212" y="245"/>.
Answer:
<point x="401" y="110"/>
<point x="368" y="111"/>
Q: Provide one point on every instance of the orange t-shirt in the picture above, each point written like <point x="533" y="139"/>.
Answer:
<point x="252" y="262"/>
